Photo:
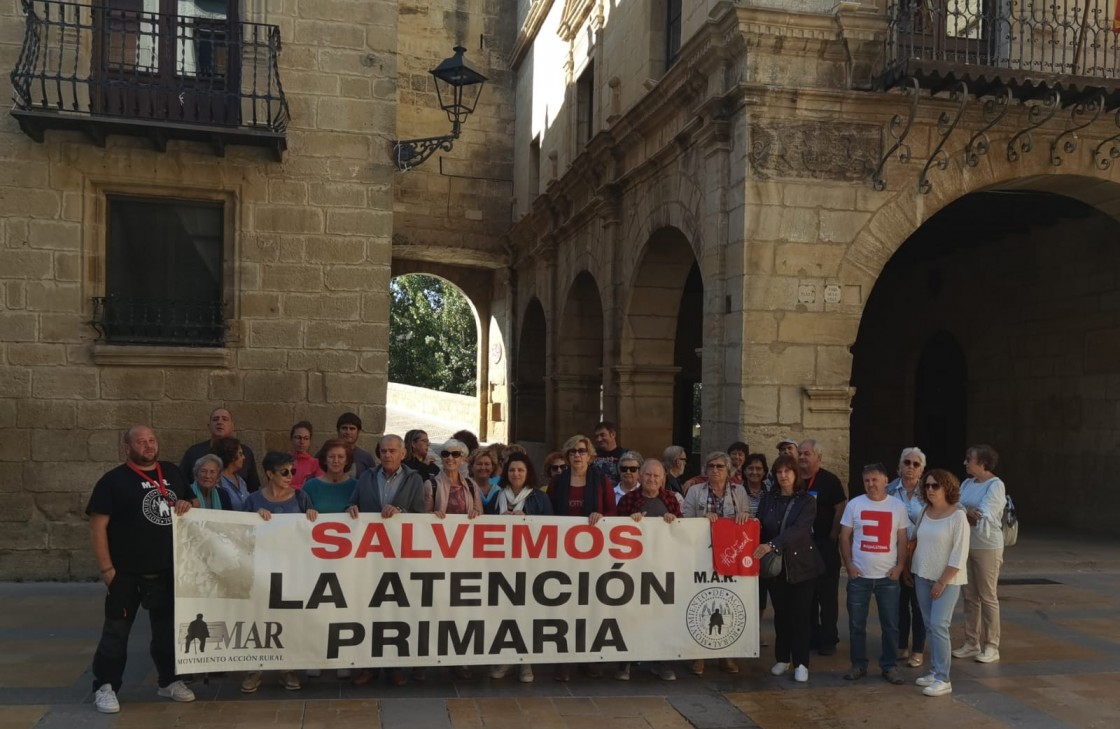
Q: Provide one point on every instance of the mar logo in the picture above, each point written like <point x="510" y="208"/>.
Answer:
<point x="158" y="509"/>
<point x="202" y="636"/>
<point x="716" y="618"/>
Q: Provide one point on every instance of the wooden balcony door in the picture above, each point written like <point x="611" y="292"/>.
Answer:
<point x="170" y="60"/>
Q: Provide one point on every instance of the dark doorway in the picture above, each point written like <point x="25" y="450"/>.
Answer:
<point x="689" y="340"/>
<point x="941" y="402"/>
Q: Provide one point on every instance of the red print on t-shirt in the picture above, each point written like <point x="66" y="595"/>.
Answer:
<point x="876" y="528"/>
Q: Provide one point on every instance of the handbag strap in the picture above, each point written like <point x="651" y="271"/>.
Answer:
<point x="917" y="524"/>
<point x="785" y="516"/>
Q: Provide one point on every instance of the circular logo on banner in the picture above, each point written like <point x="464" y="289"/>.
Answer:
<point x="156" y="508"/>
<point x="716" y="618"/>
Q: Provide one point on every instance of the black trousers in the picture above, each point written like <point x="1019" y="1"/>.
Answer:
<point x="127" y="593"/>
<point x="792" y="622"/>
<point x="826" y="602"/>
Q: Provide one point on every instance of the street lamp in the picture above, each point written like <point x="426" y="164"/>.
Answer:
<point x="458" y="87"/>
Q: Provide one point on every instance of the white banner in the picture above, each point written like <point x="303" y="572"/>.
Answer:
<point x="417" y="591"/>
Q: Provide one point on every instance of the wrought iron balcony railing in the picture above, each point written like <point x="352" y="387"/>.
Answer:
<point x="114" y="67"/>
<point x="1027" y="43"/>
<point x="183" y="323"/>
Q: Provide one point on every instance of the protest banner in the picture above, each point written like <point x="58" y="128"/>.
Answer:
<point x="415" y="590"/>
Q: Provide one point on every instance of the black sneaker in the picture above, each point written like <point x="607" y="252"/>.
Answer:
<point x="892" y="675"/>
<point x="855" y="674"/>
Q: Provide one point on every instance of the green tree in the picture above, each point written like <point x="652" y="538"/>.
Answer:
<point x="432" y="338"/>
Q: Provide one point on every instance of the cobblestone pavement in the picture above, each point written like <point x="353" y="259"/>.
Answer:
<point x="1060" y="667"/>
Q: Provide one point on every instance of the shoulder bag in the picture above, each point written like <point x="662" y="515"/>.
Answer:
<point x="911" y="545"/>
<point x="1009" y="520"/>
<point x="770" y="566"/>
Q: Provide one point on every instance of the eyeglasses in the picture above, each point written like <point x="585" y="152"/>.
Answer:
<point x="577" y="452"/>
<point x="450" y="454"/>
<point x="556" y="467"/>
<point x="717" y="466"/>
<point x="932" y="485"/>
<point x="682" y="459"/>
<point x="628" y="469"/>
<point x="286" y="472"/>
<point x="911" y="463"/>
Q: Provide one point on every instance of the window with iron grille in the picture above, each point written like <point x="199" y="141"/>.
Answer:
<point x="163" y="273"/>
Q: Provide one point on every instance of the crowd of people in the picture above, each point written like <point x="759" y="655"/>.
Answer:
<point x="915" y="544"/>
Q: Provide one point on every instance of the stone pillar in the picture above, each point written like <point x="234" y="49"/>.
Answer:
<point x="575" y="407"/>
<point x="646" y="407"/>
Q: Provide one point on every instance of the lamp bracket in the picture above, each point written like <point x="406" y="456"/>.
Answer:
<point x="409" y="153"/>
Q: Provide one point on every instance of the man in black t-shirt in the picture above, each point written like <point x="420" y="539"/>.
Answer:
<point x="607" y="450"/>
<point x="831" y="498"/>
<point x="130" y="513"/>
<point x="220" y="425"/>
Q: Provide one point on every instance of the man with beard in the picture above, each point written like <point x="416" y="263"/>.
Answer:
<point x="130" y="526"/>
<point x="221" y="426"/>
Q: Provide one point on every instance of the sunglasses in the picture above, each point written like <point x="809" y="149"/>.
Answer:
<point x="450" y="454"/>
<point x="717" y="466"/>
<point x="285" y="472"/>
<point x="911" y="463"/>
<point x="628" y="469"/>
<point x="557" y="467"/>
<point x="932" y="486"/>
<point x="577" y="452"/>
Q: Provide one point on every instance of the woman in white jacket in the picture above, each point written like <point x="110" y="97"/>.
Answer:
<point x="983" y="499"/>
<point x="938" y="570"/>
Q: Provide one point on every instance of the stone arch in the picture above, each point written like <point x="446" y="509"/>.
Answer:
<point x="531" y="416"/>
<point x="1022" y="273"/>
<point x="476" y="285"/>
<point x="577" y="379"/>
<point x="661" y="333"/>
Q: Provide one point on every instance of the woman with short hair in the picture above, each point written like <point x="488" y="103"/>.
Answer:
<point x="786" y="513"/>
<point x="330" y="492"/>
<point x="277" y="497"/>
<point x="207" y="473"/>
<point x="939" y="558"/>
<point x="307" y="465"/>
<point x="675" y="460"/>
<point x="554" y="465"/>
<point x="717" y="498"/>
<point x="233" y="459"/>
<point x="984" y="498"/>
<point x="483" y="467"/>
<point x="454" y="491"/>
<point x="629" y="463"/>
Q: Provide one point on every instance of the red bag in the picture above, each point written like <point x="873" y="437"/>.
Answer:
<point x="733" y="547"/>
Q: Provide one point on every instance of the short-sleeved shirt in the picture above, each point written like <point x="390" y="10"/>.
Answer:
<point x="875" y="526"/>
<point x="139" y="516"/>
<point x="829" y="492"/>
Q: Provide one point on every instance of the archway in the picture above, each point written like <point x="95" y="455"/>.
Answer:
<point x="660" y="370"/>
<point x="578" y="379"/>
<point x="1001" y="312"/>
<point x="434" y="341"/>
<point x="531" y="416"/>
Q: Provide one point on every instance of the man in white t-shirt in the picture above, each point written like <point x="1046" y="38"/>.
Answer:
<point x="873" y="547"/>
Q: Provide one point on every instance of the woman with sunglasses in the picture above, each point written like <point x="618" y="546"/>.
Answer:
<point x="675" y="460"/>
<point x="584" y="492"/>
<point x="939" y="571"/>
<point x="628" y="465"/>
<point x="717" y="498"/>
<point x="907" y="488"/>
<point x="554" y="465"/>
<point x="455" y="492"/>
<point x="277" y="497"/>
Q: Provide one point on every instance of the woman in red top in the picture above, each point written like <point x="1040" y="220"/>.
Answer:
<point x="307" y="465"/>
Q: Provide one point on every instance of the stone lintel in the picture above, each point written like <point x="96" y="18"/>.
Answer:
<point x="154" y="356"/>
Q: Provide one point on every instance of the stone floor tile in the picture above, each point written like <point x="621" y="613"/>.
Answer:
<point x="21" y="717"/>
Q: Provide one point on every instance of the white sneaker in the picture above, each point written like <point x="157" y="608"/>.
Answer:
<point x="499" y="672"/>
<point x="801" y="674"/>
<point x="105" y="700"/>
<point x="966" y="650"/>
<point x="177" y="691"/>
<point x="927" y="680"/>
<point x="779" y="668"/>
<point x="990" y="654"/>
<point x="525" y="673"/>
<point x="938" y="688"/>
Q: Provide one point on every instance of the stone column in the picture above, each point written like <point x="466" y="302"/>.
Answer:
<point x="646" y="407"/>
<point x="575" y="407"/>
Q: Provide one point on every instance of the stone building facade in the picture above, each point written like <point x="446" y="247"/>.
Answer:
<point x="734" y="212"/>
<point x="307" y="226"/>
<point x="761" y="205"/>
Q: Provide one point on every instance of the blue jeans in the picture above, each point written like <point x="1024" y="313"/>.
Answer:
<point x="910" y="613"/>
<point x="860" y="590"/>
<point x="938" y="615"/>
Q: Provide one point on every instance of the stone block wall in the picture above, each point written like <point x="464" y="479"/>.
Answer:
<point x="309" y="247"/>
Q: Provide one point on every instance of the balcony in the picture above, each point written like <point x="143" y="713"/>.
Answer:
<point x="1031" y="48"/>
<point x="182" y="323"/>
<point x="159" y="69"/>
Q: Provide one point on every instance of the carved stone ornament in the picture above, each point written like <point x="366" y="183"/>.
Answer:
<point x="816" y="150"/>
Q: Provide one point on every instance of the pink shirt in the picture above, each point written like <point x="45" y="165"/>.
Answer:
<point x="307" y="468"/>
